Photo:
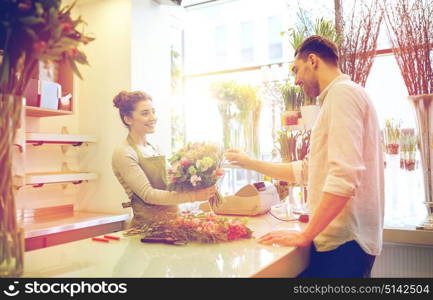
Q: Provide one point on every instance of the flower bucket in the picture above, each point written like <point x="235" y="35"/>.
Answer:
<point x="309" y="115"/>
<point x="289" y="117"/>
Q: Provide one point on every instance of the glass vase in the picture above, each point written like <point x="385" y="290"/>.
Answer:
<point x="423" y="108"/>
<point x="11" y="235"/>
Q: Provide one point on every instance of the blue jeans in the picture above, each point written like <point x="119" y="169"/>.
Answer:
<point x="346" y="261"/>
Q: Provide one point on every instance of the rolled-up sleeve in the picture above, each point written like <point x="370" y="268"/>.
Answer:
<point x="345" y="142"/>
<point x="300" y="170"/>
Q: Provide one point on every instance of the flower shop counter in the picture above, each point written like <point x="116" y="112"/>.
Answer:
<point x="129" y="257"/>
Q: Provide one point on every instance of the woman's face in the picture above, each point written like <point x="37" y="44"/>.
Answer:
<point x="143" y="118"/>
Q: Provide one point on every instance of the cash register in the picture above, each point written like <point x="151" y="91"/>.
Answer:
<point x="250" y="200"/>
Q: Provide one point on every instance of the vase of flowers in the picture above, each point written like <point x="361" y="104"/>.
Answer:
<point x="30" y="32"/>
<point x="240" y="109"/>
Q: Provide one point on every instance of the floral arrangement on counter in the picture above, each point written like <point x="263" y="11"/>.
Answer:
<point x="196" y="166"/>
<point x="202" y="228"/>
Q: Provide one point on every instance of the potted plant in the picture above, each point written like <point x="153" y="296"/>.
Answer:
<point x="30" y="32"/>
<point x="392" y="136"/>
<point x="292" y="99"/>
<point x="409" y="147"/>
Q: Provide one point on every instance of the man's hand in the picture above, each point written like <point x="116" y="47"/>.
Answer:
<point x="285" y="238"/>
<point x="238" y="158"/>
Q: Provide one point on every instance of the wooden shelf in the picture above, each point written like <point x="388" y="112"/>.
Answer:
<point x="32" y="111"/>
<point x="39" y="179"/>
<point x="79" y="225"/>
<point x="54" y="138"/>
<point x="79" y="219"/>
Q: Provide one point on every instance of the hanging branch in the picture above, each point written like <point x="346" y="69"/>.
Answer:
<point x="358" y="48"/>
<point x="410" y="30"/>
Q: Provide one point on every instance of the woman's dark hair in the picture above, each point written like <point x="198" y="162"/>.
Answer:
<point x="126" y="101"/>
<point x="322" y="47"/>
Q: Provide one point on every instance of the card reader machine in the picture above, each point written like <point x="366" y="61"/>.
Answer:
<point x="250" y="200"/>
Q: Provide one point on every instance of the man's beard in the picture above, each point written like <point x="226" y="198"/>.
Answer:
<point x="312" y="89"/>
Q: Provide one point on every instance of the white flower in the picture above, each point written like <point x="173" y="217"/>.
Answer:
<point x="194" y="179"/>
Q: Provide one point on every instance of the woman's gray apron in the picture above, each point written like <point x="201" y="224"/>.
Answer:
<point x="155" y="170"/>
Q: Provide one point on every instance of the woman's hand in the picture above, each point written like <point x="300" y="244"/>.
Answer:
<point x="205" y="194"/>
<point x="238" y="158"/>
<point x="284" y="238"/>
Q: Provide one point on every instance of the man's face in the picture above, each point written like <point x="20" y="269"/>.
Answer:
<point x="305" y="75"/>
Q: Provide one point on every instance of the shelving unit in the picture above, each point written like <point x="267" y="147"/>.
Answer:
<point x="39" y="179"/>
<point x="32" y="111"/>
<point x="79" y="225"/>
<point x="58" y="222"/>
<point x="53" y="138"/>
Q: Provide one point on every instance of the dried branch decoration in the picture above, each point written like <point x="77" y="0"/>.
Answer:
<point x="358" y="47"/>
<point x="410" y="30"/>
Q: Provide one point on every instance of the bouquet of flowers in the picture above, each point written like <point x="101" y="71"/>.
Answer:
<point x="203" y="228"/>
<point x="196" y="166"/>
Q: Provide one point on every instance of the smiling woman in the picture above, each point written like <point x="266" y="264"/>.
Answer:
<point x="140" y="167"/>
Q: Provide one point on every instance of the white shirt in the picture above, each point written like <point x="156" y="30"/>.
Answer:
<point x="346" y="159"/>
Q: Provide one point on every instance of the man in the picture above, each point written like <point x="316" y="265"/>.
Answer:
<point x="344" y="170"/>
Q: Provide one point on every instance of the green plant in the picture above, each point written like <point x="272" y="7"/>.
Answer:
<point x="33" y="31"/>
<point x="322" y="27"/>
<point x="293" y="97"/>
<point x="287" y="143"/>
<point x="392" y="131"/>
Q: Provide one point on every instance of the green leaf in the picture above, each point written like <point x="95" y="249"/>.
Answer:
<point x="52" y="17"/>
<point x="75" y="69"/>
<point x="31" y="33"/>
<point x="39" y="9"/>
<point x="57" y="32"/>
<point x="4" y="73"/>
<point x="81" y="58"/>
<point x="30" y="20"/>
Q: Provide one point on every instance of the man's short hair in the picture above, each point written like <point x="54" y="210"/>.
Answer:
<point x="322" y="47"/>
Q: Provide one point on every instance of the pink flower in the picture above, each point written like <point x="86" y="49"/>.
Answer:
<point x="219" y="172"/>
<point x="185" y="162"/>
